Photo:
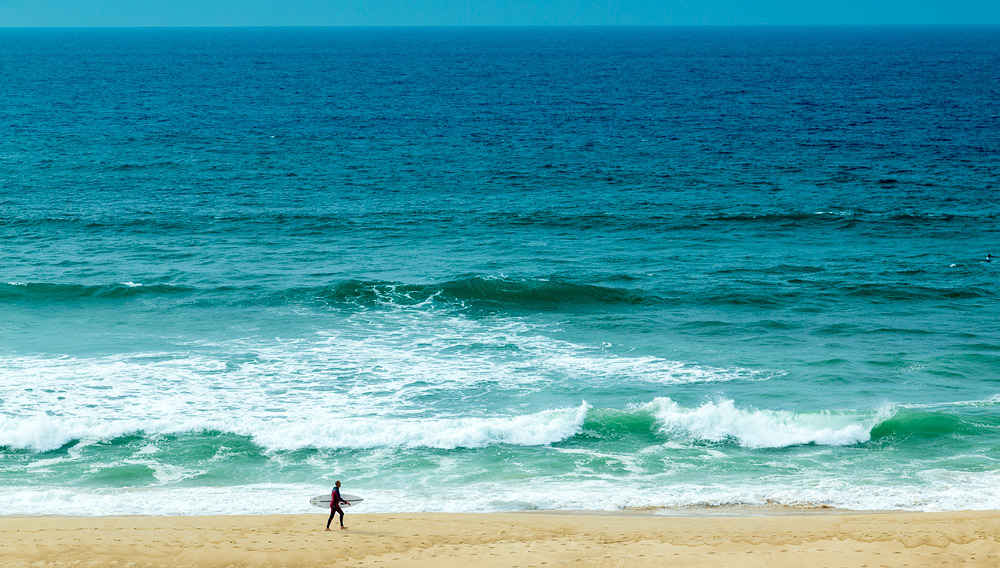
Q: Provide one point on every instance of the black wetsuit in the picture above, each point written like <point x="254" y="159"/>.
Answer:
<point x="335" y="502"/>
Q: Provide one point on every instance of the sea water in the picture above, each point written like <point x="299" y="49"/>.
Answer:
<point x="492" y="269"/>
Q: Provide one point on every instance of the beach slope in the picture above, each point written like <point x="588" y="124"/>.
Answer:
<point x="507" y="540"/>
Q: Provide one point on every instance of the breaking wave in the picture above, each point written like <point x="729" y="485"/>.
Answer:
<point x="716" y="421"/>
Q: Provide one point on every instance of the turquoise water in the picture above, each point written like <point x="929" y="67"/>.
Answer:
<point x="545" y="268"/>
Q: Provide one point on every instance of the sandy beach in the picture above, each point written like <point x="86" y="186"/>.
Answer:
<point x="502" y="540"/>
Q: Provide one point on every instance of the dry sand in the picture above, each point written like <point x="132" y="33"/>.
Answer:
<point x="495" y="540"/>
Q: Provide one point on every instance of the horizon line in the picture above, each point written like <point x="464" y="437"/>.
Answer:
<point x="612" y="25"/>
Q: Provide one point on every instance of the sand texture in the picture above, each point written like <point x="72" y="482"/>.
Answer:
<point x="506" y="540"/>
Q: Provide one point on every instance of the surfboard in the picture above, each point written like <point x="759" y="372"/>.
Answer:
<point x="323" y="501"/>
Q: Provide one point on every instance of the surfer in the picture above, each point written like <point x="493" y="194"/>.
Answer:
<point x="335" y="501"/>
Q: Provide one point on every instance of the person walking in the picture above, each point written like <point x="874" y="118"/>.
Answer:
<point x="335" y="501"/>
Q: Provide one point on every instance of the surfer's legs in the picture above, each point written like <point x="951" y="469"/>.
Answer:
<point x="333" y="511"/>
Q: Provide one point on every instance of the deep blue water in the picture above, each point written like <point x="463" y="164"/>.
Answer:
<point x="517" y="267"/>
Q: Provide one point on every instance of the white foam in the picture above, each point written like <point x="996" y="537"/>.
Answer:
<point x="935" y="490"/>
<point x="540" y="428"/>
<point x="46" y="433"/>
<point x="629" y="463"/>
<point x="648" y="369"/>
<point x="721" y="420"/>
<point x="991" y="401"/>
<point x="287" y="388"/>
<point x="246" y="500"/>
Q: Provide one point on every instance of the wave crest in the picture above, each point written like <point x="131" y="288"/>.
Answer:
<point x="45" y="433"/>
<point x="721" y="420"/>
<point x="716" y="421"/>
<point x="484" y="291"/>
<point x="477" y="290"/>
<point x="47" y="292"/>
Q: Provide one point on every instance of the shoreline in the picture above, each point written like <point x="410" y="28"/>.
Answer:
<point x="693" y="511"/>
<point x="826" y="538"/>
<point x="683" y="512"/>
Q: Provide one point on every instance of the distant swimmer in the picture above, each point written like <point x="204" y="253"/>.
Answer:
<point x="335" y="501"/>
<point x="988" y="257"/>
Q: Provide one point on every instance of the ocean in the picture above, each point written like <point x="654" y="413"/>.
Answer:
<point x="495" y="269"/>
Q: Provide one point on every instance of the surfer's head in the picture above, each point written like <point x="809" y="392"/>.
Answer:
<point x="337" y="484"/>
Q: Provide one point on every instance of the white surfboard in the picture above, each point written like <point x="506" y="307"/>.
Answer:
<point x="323" y="501"/>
